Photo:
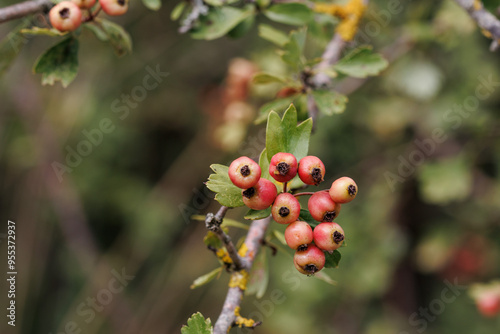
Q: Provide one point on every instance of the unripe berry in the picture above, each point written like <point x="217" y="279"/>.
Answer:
<point x="286" y="209"/>
<point x="65" y="16"/>
<point x="343" y="190"/>
<point x="311" y="170"/>
<point x="328" y="236"/>
<point x="114" y="7"/>
<point x="244" y="172"/>
<point x="310" y="260"/>
<point x="260" y="196"/>
<point x="84" y="4"/>
<point x="322" y="208"/>
<point x="283" y="167"/>
<point x="298" y="235"/>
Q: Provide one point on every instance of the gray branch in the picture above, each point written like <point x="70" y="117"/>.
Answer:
<point x="24" y="9"/>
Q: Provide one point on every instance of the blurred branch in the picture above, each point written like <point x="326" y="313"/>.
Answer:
<point x="213" y="222"/>
<point x="253" y="242"/>
<point x="484" y="19"/>
<point x="24" y="9"/>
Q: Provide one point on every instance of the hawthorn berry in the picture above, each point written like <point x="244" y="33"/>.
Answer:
<point x="298" y="235"/>
<point x="310" y="260"/>
<point x="244" y="172"/>
<point x="328" y="236"/>
<point x="283" y="167"/>
<point x="322" y="208"/>
<point x="65" y="16"/>
<point x="343" y="190"/>
<point x="84" y="4"/>
<point x="260" y="196"/>
<point x="311" y="170"/>
<point x="488" y="304"/>
<point x="114" y="7"/>
<point x="286" y="209"/>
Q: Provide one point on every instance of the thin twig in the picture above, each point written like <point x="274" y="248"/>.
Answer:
<point x="484" y="19"/>
<point x="24" y="9"/>
<point x="213" y="222"/>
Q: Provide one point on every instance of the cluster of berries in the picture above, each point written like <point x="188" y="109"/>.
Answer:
<point x="67" y="15"/>
<point x="324" y="206"/>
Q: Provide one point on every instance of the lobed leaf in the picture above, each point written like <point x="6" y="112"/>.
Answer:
<point x="332" y="260"/>
<point x="226" y="193"/>
<point x="290" y="13"/>
<point x="361" y="63"/>
<point x="197" y="325"/>
<point x="117" y="36"/>
<point x="329" y="102"/>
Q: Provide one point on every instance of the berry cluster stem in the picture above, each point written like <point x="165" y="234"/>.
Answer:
<point x="212" y="223"/>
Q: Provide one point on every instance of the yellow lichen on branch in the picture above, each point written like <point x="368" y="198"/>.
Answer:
<point x="223" y="255"/>
<point x="478" y="4"/>
<point x="239" y="280"/>
<point x="243" y="250"/>
<point x="241" y="321"/>
<point x="350" y="15"/>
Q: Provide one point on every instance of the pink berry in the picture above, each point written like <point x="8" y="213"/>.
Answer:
<point x="286" y="209"/>
<point x="244" y="172"/>
<point x="343" y="190"/>
<point x="65" y="16"/>
<point x="298" y="235"/>
<point x="260" y="196"/>
<point x="328" y="236"/>
<point x="84" y="4"/>
<point x="114" y="7"/>
<point x="322" y="208"/>
<point x="488" y="304"/>
<point x="283" y="167"/>
<point x="310" y="260"/>
<point x="311" y="170"/>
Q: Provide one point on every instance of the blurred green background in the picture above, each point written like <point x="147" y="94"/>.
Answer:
<point x="109" y="247"/>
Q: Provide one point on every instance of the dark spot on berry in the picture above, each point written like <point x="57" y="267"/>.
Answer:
<point x="310" y="268"/>
<point x="245" y="170"/>
<point x="249" y="192"/>
<point x="283" y="168"/>
<point x="64" y="13"/>
<point x="351" y="189"/>
<point x="317" y="176"/>
<point x="121" y="2"/>
<point x="284" y="211"/>
<point x="329" y="216"/>
<point x="302" y="248"/>
<point x="338" y="237"/>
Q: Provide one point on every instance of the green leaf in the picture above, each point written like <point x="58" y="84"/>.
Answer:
<point x="289" y="13"/>
<point x="11" y="46"/>
<point x="273" y="35"/>
<point x="265" y="78"/>
<point x="197" y="325"/>
<point x="226" y="193"/>
<point x="257" y="214"/>
<point x="277" y="104"/>
<point x="306" y="216"/>
<point x="361" y="63"/>
<point x="242" y="28"/>
<point x="292" y="50"/>
<point x="178" y="10"/>
<point x="117" y="36"/>
<point x="211" y="240"/>
<point x="202" y="280"/>
<point x="37" y="31"/>
<point x="97" y="30"/>
<point x="329" y="102"/>
<point x="333" y="259"/>
<point x="228" y="222"/>
<point x="284" y="135"/>
<point x="152" y="4"/>
<point x="259" y="276"/>
<point x="219" y="21"/>
<point x="59" y="63"/>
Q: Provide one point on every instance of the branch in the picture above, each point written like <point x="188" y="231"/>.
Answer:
<point x="213" y="224"/>
<point x="24" y="9"/>
<point x="484" y="19"/>
<point x="234" y="296"/>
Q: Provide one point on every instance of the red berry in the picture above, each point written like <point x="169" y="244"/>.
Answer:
<point x="286" y="209"/>
<point x="310" y="260"/>
<point x="260" y="196"/>
<point x="283" y="167"/>
<point x="322" y="208"/>
<point x="65" y="16"/>
<point x="298" y="235"/>
<point x="328" y="236"/>
<point x="311" y="170"/>
<point x="114" y="7"/>
<point x="343" y="190"/>
<point x="85" y="4"/>
<point x="488" y="304"/>
<point x="244" y="172"/>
